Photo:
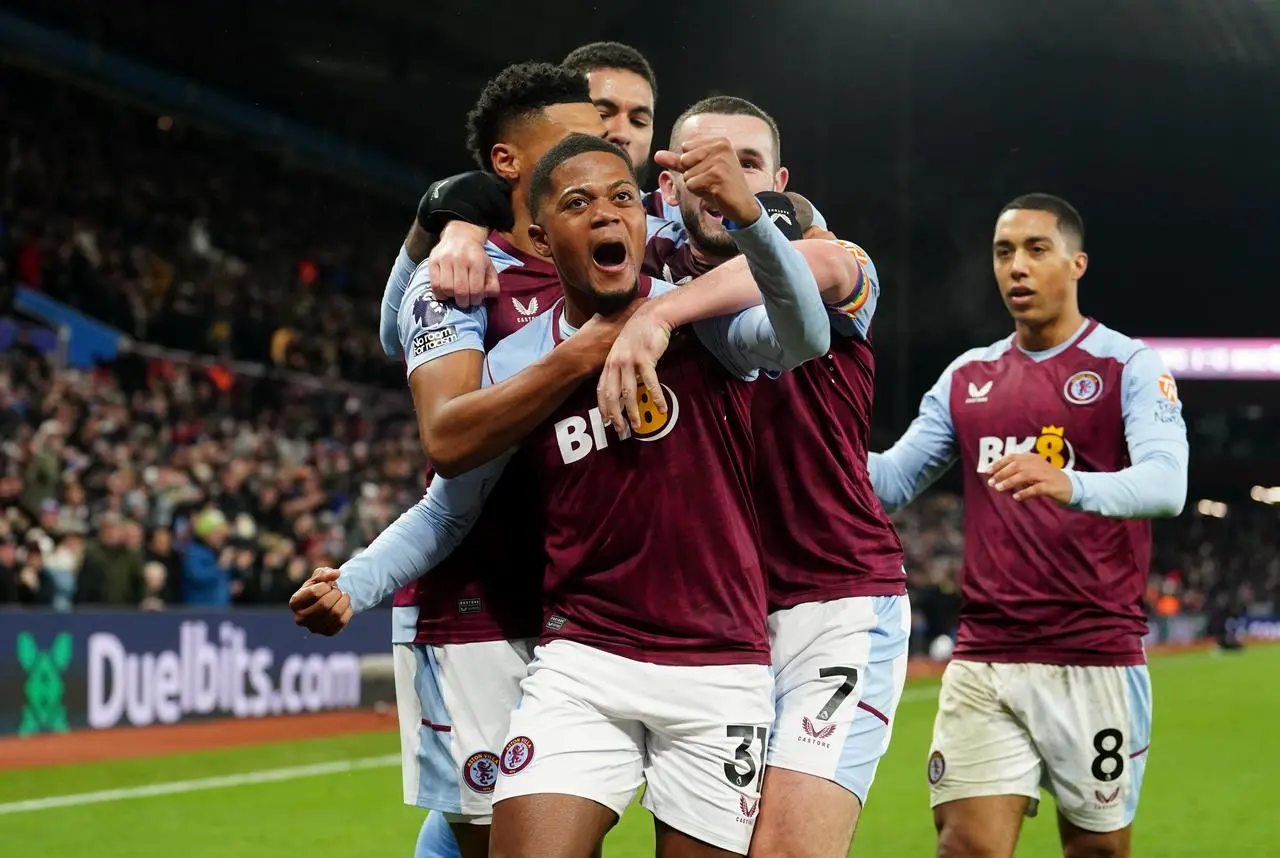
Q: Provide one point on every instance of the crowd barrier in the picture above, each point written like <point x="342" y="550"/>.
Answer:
<point x="101" y="669"/>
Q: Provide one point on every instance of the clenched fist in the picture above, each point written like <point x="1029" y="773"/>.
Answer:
<point x="319" y="606"/>
<point x="713" y="171"/>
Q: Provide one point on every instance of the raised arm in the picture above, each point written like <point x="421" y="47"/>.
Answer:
<point x="1155" y="484"/>
<point x="923" y="453"/>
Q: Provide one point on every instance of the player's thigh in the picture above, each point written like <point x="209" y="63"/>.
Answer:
<point x="981" y="827"/>
<point x="707" y="741"/>
<point x="839" y="669"/>
<point x="790" y="801"/>
<point x="564" y="739"/>
<point x="549" y="825"/>
<point x="467" y="692"/>
<point x="671" y="843"/>
<point x="1078" y="843"/>
<point x="1093" y="728"/>
<point x="979" y="747"/>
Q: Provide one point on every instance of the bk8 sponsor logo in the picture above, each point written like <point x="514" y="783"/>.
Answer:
<point x="1051" y="445"/>
<point x="577" y="436"/>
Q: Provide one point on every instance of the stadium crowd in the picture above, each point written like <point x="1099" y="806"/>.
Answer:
<point x="149" y="483"/>
<point x="178" y="239"/>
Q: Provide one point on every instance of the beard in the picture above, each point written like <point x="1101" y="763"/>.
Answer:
<point x="608" y="303"/>
<point x="719" y="243"/>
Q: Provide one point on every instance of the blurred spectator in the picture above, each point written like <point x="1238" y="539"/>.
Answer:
<point x="208" y="564"/>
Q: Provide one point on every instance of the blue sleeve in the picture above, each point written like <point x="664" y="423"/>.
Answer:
<point x="922" y="454"/>
<point x="392" y="296"/>
<point x="789" y="327"/>
<point x="1155" y="484"/>
<point x="431" y="329"/>
<point x="421" y="538"/>
<point x="818" y="220"/>
<point x="852" y="318"/>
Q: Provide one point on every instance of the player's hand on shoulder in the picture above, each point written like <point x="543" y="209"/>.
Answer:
<point x="632" y="363"/>
<point x="1029" y="476"/>
<point x="319" y="606"/>
<point x="712" y="171"/>
<point x="460" y="269"/>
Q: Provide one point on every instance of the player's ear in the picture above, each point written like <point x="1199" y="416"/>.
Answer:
<point x="667" y="187"/>
<point x="538" y="236"/>
<point x="780" y="179"/>
<point x="506" y="162"/>
<point x="1079" y="263"/>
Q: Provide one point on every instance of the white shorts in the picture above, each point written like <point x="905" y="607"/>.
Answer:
<point x="1080" y="732"/>
<point x="839" y="669"/>
<point x="454" y="704"/>
<point x="597" y="725"/>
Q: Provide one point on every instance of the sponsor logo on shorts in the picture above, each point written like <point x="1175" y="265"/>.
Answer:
<point x="1105" y="800"/>
<point x="937" y="767"/>
<point x="814" y="735"/>
<point x="748" y="810"/>
<point x="516" y="756"/>
<point x="556" y="622"/>
<point x="481" y="771"/>
<point x="470" y="605"/>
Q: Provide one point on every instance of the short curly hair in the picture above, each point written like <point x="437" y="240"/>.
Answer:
<point x="518" y="92"/>
<point x="611" y="55"/>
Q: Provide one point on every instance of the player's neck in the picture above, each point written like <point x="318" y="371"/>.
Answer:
<point x="1051" y="334"/>
<point x="578" y="308"/>
<point x="705" y="259"/>
<point x="519" y="235"/>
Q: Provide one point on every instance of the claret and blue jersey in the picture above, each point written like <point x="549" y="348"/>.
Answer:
<point x="1043" y="582"/>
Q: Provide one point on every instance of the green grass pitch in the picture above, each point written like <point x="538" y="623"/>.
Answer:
<point x="1208" y="791"/>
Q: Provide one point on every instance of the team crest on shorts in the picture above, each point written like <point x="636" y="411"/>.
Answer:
<point x="1083" y="387"/>
<point x="481" y="771"/>
<point x="516" y="755"/>
<point x="937" y="767"/>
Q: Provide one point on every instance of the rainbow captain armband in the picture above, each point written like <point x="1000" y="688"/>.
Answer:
<point x="861" y="289"/>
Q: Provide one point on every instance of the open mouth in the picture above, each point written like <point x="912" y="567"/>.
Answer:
<point x="715" y="215"/>
<point x="610" y="256"/>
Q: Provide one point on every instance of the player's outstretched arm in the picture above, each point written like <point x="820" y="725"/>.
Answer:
<point x="1155" y="485"/>
<point x="923" y="453"/>
<point x="421" y="538"/>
